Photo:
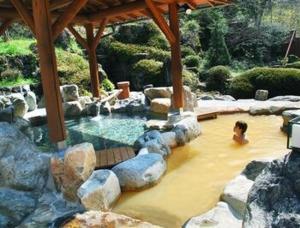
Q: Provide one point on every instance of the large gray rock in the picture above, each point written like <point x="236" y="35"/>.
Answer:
<point x="154" y="142"/>
<point x="50" y="207"/>
<point x="287" y="116"/>
<point x="136" y="103"/>
<point x="69" y="93"/>
<point x="92" y="109"/>
<point x="236" y="193"/>
<point x="286" y="98"/>
<point x="140" y="172"/>
<point x="30" y="99"/>
<point x="72" y="108"/>
<point x="22" y="166"/>
<point x="7" y="114"/>
<point x="20" y="105"/>
<point x="99" y="219"/>
<point x="169" y="138"/>
<point x="187" y="129"/>
<point x="160" y="105"/>
<point x="79" y="163"/>
<point x="221" y="216"/>
<point x="158" y="92"/>
<point x="255" y="167"/>
<point x="100" y="191"/>
<point x="84" y="101"/>
<point x="15" y="206"/>
<point x="105" y="108"/>
<point x="261" y="95"/>
<point x="273" y="201"/>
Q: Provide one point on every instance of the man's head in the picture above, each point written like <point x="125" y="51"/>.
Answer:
<point x="240" y="127"/>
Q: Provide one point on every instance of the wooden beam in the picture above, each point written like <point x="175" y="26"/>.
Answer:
<point x="4" y="26"/>
<point x="57" y="4"/>
<point x="117" y="10"/>
<point x="99" y="33"/>
<point x="92" y="60"/>
<point x="67" y="17"/>
<point x="160" y="21"/>
<point x="78" y="37"/>
<point x="48" y="68"/>
<point x="24" y="13"/>
<point x="176" y="65"/>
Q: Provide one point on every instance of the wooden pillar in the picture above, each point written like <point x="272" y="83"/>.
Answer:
<point x="92" y="60"/>
<point x="176" y="65"/>
<point x="48" y="68"/>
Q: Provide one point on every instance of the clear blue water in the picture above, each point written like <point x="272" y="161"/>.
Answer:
<point x="102" y="131"/>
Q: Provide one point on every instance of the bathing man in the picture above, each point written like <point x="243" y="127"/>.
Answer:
<point x="239" y="130"/>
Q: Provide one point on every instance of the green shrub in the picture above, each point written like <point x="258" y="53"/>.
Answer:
<point x="107" y="85"/>
<point x="128" y="52"/>
<point x="278" y="81"/>
<point x="241" y="88"/>
<point x="142" y="33"/>
<point x="185" y="51"/>
<point x="10" y="74"/>
<point x="73" y="69"/>
<point x="217" y="78"/>
<point x="147" y="71"/>
<point x="190" y="79"/>
<point x="15" y="47"/>
<point x="148" y="67"/>
<point x="293" y="65"/>
<point x="293" y="58"/>
<point x="192" y="61"/>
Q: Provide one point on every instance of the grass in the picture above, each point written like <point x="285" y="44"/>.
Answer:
<point x="17" y="82"/>
<point x="16" y="47"/>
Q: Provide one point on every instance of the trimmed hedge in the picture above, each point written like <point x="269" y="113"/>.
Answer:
<point x="192" y="61"/>
<point x="278" y="81"/>
<point x="127" y="52"/>
<point x="190" y="79"/>
<point x="218" y="78"/>
<point x="293" y="65"/>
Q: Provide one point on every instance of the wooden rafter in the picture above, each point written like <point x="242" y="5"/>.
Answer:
<point x="4" y="26"/>
<point x="78" y="37"/>
<point x="57" y="4"/>
<point x="24" y="13"/>
<point x="67" y="17"/>
<point x="160" y="21"/>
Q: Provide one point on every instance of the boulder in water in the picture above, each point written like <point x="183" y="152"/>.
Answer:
<point x="100" y="191"/>
<point x="140" y="172"/>
<point x="79" y="163"/>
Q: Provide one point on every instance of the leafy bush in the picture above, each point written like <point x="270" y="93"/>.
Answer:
<point x="185" y="51"/>
<point x="192" y="61"/>
<point x="127" y="52"/>
<point x="217" y="78"/>
<point x="107" y="85"/>
<point x="278" y="81"/>
<point x="293" y="65"/>
<point x="73" y="69"/>
<point x="142" y="33"/>
<point x="148" y="67"/>
<point x="293" y="58"/>
<point x="15" y="47"/>
<point x="241" y="88"/>
<point x="190" y="79"/>
<point x="147" y="71"/>
<point x="10" y="74"/>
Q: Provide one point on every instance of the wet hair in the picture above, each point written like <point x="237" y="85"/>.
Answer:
<point x="242" y="125"/>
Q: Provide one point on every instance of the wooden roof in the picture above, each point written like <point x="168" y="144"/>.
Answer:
<point x="93" y="11"/>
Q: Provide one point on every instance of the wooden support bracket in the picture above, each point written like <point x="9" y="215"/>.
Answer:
<point x="4" y="26"/>
<point x="99" y="33"/>
<point x="67" y="17"/>
<point x="160" y="21"/>
<point x="78" y="37"/>
<point x="24" y="14"/>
